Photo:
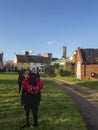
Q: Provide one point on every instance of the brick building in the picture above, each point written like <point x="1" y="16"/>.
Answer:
<point x="87" y="63"/>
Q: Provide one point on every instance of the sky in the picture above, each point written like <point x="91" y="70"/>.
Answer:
<point x="41" y="26"/>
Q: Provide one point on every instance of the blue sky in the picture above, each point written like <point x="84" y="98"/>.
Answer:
<point x="47" y="25"/>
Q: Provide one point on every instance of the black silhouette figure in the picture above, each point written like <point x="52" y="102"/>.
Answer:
<point x="20" y="79"/>
<point x="29" y="100"/>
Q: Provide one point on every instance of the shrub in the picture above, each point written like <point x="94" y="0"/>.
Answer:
<point x="50" y="71"/>
<point x="63" y="72"/>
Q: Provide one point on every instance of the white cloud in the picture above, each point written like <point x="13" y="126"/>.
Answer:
<point x="50" y="43"/>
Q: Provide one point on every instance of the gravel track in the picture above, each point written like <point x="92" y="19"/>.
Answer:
<point x="87" y="107"/>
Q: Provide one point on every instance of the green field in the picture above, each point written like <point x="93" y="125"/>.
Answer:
<point x="92" y="84"/>
<point x="57" y="110"/>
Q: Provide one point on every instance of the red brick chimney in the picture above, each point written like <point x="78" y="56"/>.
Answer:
<point x="64" y="51"/>
<point x="26" y="53"/>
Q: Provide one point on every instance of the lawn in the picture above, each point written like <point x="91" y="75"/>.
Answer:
<point x="93" y="84"/>
<point x="57" y="110"/>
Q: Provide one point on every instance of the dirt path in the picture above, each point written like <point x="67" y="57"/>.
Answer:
<point x="87" y="106"/>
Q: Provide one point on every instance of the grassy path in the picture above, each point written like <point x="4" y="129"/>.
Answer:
<point x="57" y="110"/>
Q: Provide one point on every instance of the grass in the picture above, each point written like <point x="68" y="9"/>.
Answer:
<point x="57" y="110"/>
<point x="90" y="84"/>
<point x="93" y="84"/>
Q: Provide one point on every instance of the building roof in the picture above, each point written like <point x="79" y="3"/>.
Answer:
<point x="32" y="58"/>
<point x="89" y="55"/>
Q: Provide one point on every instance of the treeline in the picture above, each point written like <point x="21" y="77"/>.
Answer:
<point x="56" y="70"/>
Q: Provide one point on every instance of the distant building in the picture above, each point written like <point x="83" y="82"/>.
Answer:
<point x="32" y="62"/>
<point x="1" y="60"/>
<point x="63" y="61"/>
